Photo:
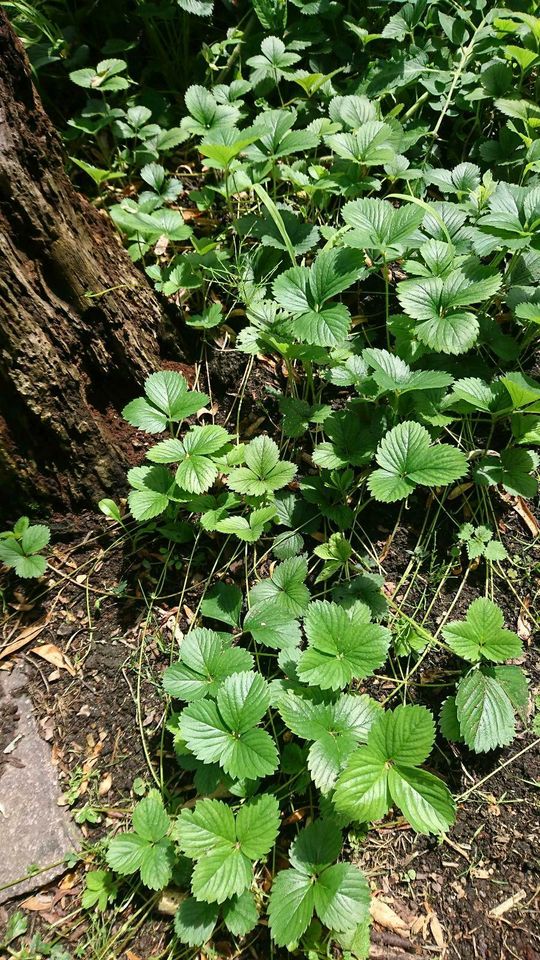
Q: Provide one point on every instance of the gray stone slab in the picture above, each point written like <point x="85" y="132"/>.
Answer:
<point x="33" y="828"/>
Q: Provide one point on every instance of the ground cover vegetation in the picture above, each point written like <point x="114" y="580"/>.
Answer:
<point x="348" y="195"/>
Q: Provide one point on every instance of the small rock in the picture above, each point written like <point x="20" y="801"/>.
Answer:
<point x="34" y="832"/>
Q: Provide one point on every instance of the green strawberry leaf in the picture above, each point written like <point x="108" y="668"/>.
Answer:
<point x="387" y="769"/>
<point x="168" y="400"/>
<point x="205" y="661"/>
<point x="484" y="711"/>
<point x="264" y="471"/>
<point x="194" y="921"/>
<point x="407" y="458"/>
<point x="285" y="589"/>
<point x="342" y="645"/>
<point x="480" y="635"/>
<point x="223" y="602"/>
<point x="150" y="819"/>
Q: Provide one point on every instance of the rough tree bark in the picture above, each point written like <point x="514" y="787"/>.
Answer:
<point x="65" y="357"/>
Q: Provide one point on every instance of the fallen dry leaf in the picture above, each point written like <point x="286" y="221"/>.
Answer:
<point x="11" y="746"/>
<point x="190" y="616"/>
<point x="522" y="510"/>
<point x="170" y="900"/>
<point x="507" y="905"/>
<point x="161" y="246"/>
<point x="38" y="903"/>
<point x="68" y="882"/>
<point x="249" y="431"/>
<point x="437" y="931"/>
<point x="105" y="785"/>
<point x="524" y="628"/>
<point x="383" y="914"/>
<point x="457" y="491"/>
<point x="24" y="637"/>
<point x="418" y="925"/>
<point x="52" y="654"/>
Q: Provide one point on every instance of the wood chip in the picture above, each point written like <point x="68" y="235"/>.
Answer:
<point x="11" y="746"/>
<point x="52" y="654"/>
<point x="507" y="905"/>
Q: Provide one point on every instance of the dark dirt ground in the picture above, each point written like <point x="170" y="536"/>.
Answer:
<point x="433" y="899"/>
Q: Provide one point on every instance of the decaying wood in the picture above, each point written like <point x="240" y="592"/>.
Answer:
<point x="66" y="355"/>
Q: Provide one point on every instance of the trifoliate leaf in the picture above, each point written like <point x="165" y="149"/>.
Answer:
<point x="264" y="471"/>
<point x="386" y="770"/>
<point x="224" y="846"/>
<point x="205" y="661"/>
<point x="194" y="454"/>
<point x="372" y="145"/>
<point x="304" y="292"/>
<point x="336" y="727"/>
<point x="407" y="458"/>
<point x="512" y="469"/>
<point x="343" y="645"/>
<point x="463" y="179"/>
<point x="168" y="400"/>
<point x="379" y="226"/>
<point x="392" y="373"/>
<point x="250" y="529"/>
<point x="225" y="732"/>
<point x="437" y="304"/>
<point x="480" y="635"/>
<point x="353" y="436"/>
<point x="285" y="590"/>
<point x="337" y="893"/>
<point x="149" y="498"/>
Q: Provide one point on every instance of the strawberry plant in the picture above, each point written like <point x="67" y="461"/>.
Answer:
<point x="346" y="201"/>
<point x="482" y="713"/>
<point x="20" y="548"/>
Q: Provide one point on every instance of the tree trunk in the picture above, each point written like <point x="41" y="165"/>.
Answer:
<point x="72" y="350"/>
